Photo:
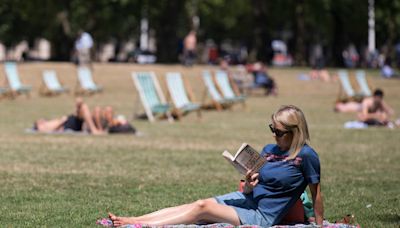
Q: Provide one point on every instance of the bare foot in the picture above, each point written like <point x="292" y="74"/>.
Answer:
<point x="120" y="221"/>
<point x="98" y="132"/>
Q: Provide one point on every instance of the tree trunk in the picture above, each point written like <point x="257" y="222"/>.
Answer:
<point x="300" y="54"/>
<point x="166" y="33"/>
<point x="261" y="41"/>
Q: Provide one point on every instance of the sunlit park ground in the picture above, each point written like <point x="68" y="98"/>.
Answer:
<point x="72" y="180"/>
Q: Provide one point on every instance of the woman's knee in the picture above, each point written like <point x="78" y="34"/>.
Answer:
<point x="204" y="204"/>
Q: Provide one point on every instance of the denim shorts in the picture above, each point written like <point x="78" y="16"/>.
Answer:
<point x="245" y="207"/>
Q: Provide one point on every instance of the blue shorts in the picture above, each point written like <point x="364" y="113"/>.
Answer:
<point x="245" y="207"/>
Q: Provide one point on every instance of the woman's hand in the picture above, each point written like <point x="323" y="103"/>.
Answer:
<point x="250" y="182"/>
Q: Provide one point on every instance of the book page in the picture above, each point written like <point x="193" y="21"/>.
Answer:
<point x="249" y="158"/>
<point x="228" y="156"/>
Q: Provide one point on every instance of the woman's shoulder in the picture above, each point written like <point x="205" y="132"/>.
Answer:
<point x="307" y="151"/>
<point x="269" y="147"/>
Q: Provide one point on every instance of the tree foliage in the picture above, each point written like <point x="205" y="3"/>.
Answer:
<point x="254" y="23"/>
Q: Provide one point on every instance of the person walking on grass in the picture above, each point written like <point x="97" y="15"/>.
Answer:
<point x="291" y="166"/>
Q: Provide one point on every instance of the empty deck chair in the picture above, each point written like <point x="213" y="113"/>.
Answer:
<point x="181" y="95"/>
<point x="51" y="85"/>
<point x="363" y="83"/>
<point x="151" y="96"/>
<point x="217" y="101"/>
<point x="225" y="86"/>
<point x="16" y="87"/>
<point x="86" y="85"/>
<point x="346" y="91"/>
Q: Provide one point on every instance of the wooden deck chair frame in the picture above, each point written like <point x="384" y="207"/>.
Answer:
<point x="181" y="95"/>
<point x="49" y="80"/>
<point x="228" y="88"/>
<point x="363" y="84"/>
<point x="3" y="92"/>
<point x="14" y="82"/>
<point x="211" y="91"/>
<point x="80" y="88"/>
<point x="141" y="92"/>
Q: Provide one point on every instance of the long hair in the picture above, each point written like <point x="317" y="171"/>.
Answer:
<point x="293" y="119"/>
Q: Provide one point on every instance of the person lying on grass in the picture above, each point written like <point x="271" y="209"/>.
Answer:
<point x="291" y="166"/>
<point x="100" y="121"/>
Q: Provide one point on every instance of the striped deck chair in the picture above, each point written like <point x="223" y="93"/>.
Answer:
<point x="51" y="85"/>
<point x="180" y="94"/>
<point x="225" y="86"/>
<point x="363" y="83"/>
<point x="217" y="101"/>
<point x="151" y="96"/>
<point x="16" y="87"/>
<point x="85" y="84"/>
<point x="346" y="91"/>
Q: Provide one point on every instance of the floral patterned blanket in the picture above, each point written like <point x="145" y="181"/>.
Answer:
<point x="107" y="223"/>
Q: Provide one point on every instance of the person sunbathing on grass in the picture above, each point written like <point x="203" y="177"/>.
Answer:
<point x="99" y="122"/>
<point x="291" y="166"/>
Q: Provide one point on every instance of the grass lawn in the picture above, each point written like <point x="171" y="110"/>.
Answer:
<point x="70" y="180"/>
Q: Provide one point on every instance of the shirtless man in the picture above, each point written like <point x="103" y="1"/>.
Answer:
<point x="374" y="110"/>
<point x="189" y="45"/>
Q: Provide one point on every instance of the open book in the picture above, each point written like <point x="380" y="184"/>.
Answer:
<point x="246" y="158"/>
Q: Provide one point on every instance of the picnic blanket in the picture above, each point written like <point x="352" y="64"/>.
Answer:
<point x="107" y="223"/>
<point x="355" y="125"/>
<point x="63" y="132"/>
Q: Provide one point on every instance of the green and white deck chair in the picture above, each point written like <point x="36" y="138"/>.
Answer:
<point x="151" y="95"/>
<point x="51" y="84"/>
<point x="179" y="95"/>
<point x="217" y="100"/>
<point x="85" y="82"/>
<point x="347" y="91"/>
<point x="16" y="87"/>
<point x="224" y="84"/>
<point x="363" y="83"/>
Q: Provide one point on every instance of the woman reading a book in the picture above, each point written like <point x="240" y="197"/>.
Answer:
<point x="291" y="165"/>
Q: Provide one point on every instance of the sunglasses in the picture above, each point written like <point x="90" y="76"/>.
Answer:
<point x="278" y="133"/>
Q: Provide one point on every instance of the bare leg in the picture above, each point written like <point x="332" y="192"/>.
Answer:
<point x="348" y="107"/>
<point x="207" y="210"/>
<point x="84" y="113"/>
<point x="163" y="212"/>
<point x="108" y="115"/>
<point x="324" y="76"/>
<point x="97" y="118"/>
<point x="50" y="125"/>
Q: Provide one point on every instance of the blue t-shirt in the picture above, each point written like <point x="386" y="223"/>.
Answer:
<point x="281" y="182"/>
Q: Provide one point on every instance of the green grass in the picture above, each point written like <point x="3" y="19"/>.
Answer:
<point x="70" y="181"/>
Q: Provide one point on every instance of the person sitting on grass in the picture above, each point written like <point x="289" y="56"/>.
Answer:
<point x="97" y="123"/>
<point x="375" y="111"/>
<point x="261" y="79"/>
<point x="291" y="166"/>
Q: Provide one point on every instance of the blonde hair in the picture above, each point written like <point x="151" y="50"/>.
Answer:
<point x="293" y="120"/>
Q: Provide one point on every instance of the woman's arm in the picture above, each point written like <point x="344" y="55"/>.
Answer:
<point x="317" y="202"/>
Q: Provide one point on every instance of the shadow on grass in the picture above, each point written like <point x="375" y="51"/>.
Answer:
<point x="389" y="218"/>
